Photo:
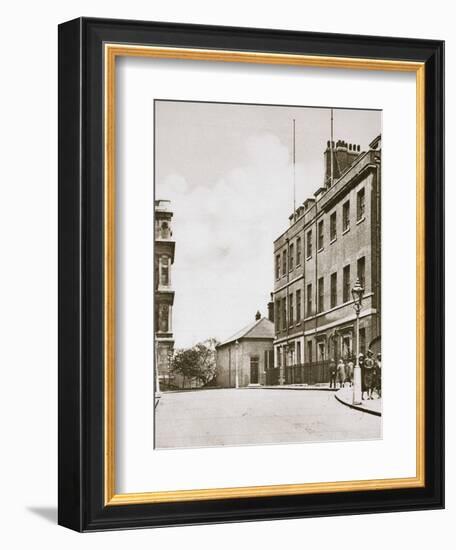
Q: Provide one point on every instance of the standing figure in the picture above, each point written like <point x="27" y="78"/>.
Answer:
<point x="361" y="366"/>
<point x="349" y="373"/>
<point x="332" y="374"/>
<point x="341" y="373"/>
<point x="378" y="374"/>
<point x="369" y="374"/>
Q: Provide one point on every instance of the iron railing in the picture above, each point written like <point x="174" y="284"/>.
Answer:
<point x="308" y="373"/>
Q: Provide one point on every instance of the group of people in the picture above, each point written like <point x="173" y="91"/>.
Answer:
<point x="371" y="374"/>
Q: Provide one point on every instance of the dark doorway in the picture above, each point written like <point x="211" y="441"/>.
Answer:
<point x="254" y="370"/>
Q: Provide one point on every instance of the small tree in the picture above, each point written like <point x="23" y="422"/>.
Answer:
<point x="185" y="363"/>
<point x="206" y="361"/>
<point x="197" y="363"/>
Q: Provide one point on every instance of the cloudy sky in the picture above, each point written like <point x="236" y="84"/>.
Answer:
<point x="227" y="169"/>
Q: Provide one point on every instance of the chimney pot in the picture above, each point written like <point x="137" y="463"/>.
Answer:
<point x="257" y="316"/>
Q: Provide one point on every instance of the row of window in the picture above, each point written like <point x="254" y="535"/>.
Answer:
<point x="294" y="356"/>
<point x="295" y="300"/>
<point x="281" y="260"/>
<point x="287" y="355"/>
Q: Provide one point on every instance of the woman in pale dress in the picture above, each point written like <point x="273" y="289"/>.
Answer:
<point x="349" y="373"/>
<point x="341" y="373"/>
<point x="369" y="372"/>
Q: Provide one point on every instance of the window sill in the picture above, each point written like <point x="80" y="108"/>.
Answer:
<point x="309" y="258"/>
<point x="346" y="230"/>
<point x="320" y="250"/>
<point x="333" y="240"/>
<point x="360" y="220"/>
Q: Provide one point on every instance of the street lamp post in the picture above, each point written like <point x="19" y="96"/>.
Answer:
<point x="237" y="364"/>
<point x="357" y="293"/>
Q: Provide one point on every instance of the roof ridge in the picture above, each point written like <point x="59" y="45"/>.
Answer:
<point x="257" y="322"/>
<point x="244" y="332"/>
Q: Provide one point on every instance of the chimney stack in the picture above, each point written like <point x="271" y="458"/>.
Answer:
<point x="271" y="308"/>
<point x="257" y="316"/>
<point x="344" y="155"/>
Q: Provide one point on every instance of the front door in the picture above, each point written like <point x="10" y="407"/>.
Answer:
<point x="254" y="370"/>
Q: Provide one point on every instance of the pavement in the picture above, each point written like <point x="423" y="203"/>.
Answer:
<point x="320" y="387"/>
<point x="343" y="395"/>
<point x="371" y="406"/>
<point x="210" y="418"/>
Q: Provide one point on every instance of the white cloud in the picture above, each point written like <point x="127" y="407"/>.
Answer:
<point x="224" y="232"/>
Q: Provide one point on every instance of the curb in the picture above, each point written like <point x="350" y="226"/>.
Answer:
<point x="357" y="407"/>
<point x="299" y="388"/>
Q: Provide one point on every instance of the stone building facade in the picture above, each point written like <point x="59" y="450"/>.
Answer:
<point x="243" y="359"/>
<point x="333" y="239"/>
<point x="164" y="294"/>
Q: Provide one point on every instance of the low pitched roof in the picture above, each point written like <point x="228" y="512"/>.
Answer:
<point x="263" y="329"/>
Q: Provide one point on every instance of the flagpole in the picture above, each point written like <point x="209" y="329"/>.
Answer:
<point x="294" y="171"/>
<point x="331" y="148"/>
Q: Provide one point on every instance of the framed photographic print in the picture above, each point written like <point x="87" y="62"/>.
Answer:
<point x="250" y="274"/>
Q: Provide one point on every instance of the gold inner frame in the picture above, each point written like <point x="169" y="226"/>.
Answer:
<point x="111" y="52"/>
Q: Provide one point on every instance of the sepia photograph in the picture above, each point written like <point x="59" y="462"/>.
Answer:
<point x="267" y="278"/>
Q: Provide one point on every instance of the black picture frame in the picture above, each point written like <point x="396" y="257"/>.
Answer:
<point x="81" y="399"/>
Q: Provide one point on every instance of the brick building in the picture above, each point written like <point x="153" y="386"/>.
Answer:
<point x="333" y="239"/>
<point x="246" y="355"/>
<point x="164" y="295"/>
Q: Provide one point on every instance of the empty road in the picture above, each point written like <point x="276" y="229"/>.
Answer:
<point x="209" y="418"/>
